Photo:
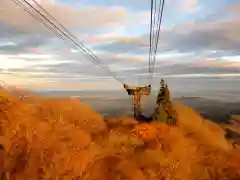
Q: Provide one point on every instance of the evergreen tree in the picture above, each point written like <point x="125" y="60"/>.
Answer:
<point x="166" y="93"/>
<point x="160" y="96"/>
<point x="160" y="114"/>
<point x="164" y="111"/>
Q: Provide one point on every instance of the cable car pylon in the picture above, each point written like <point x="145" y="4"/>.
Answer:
<point x="137" y="92"/>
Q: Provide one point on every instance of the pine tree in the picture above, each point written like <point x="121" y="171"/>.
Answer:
<point x="160" y="96"/>
<point x="164" y="111"/>
<point x="160" y="114"/>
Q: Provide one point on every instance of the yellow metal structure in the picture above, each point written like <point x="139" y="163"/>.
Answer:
<point x="137" y="93"/>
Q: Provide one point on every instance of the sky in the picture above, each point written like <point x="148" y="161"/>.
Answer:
<point x="199" y="42"/>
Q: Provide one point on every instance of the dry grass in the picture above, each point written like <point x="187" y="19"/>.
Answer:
<point x="236" y="118"/>
<point x="48" y="138"/>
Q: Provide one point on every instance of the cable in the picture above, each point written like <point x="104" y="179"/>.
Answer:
<point x="159" y="21"/>
<point x="154" y="22"/>
<point x="161" y="5"/>
<point x="66" y="30"/>
<point x="150" y="38"/>
<point x="38" y="19"/>
<point x="152" y="34"/>
<point x="95" y="58"/>
<point x="21" y="5"/>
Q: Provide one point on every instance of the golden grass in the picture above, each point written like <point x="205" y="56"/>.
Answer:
<point x="236" y="118"/>
<point x="49" y="138"/>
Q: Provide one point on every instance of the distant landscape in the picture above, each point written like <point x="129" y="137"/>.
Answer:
<point x="214" y="105"/>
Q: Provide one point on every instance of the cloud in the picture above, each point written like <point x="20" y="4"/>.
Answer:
<point x="82" y="18"/>
<point x="53" y="84"/>
<point x="50" y="66"/>
<point x="221" y="35"/>
<point x="50" y="69"/>
<point x="29" y="35"/>
<point x="110" y="37"/>
<point x="235" y="8"/>
<point x="107" y="16"/>
<point x="45" y="72"/>
<point x="201" y="75"/>
<point x="188" y="5"/>
<point x="21" y="45"/>
<point x="30" y="65"/>
<point x="214" y="67"/>
<point x="125" y="58"/>
<point x="219" y="64"/>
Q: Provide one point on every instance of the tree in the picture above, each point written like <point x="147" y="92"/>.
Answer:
<point x="166" y="93"/>
<point x="164" y="111"/>
<point x="160" y="114"/>
<point x="161" y="92"/>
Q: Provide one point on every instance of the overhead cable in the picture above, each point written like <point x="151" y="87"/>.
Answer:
<point x="56" y="30"/>
<point x="154" y="34"/>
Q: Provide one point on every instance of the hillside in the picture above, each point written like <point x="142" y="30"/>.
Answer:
<point x="53" y="138"/>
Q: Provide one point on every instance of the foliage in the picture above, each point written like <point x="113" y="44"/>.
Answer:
<point x="46" y="138"/>
<point x="164" y="111"/>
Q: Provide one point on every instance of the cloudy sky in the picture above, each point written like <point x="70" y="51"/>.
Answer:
<point x="199" y="40"/>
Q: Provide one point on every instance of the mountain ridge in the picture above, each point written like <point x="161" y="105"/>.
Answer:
<point x="63" y="138"/>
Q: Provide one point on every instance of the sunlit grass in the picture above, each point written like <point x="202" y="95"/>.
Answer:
<point x="49" y="138"/>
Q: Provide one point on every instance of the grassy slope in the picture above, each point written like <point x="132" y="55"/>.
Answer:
<point x="48" y="138"/>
